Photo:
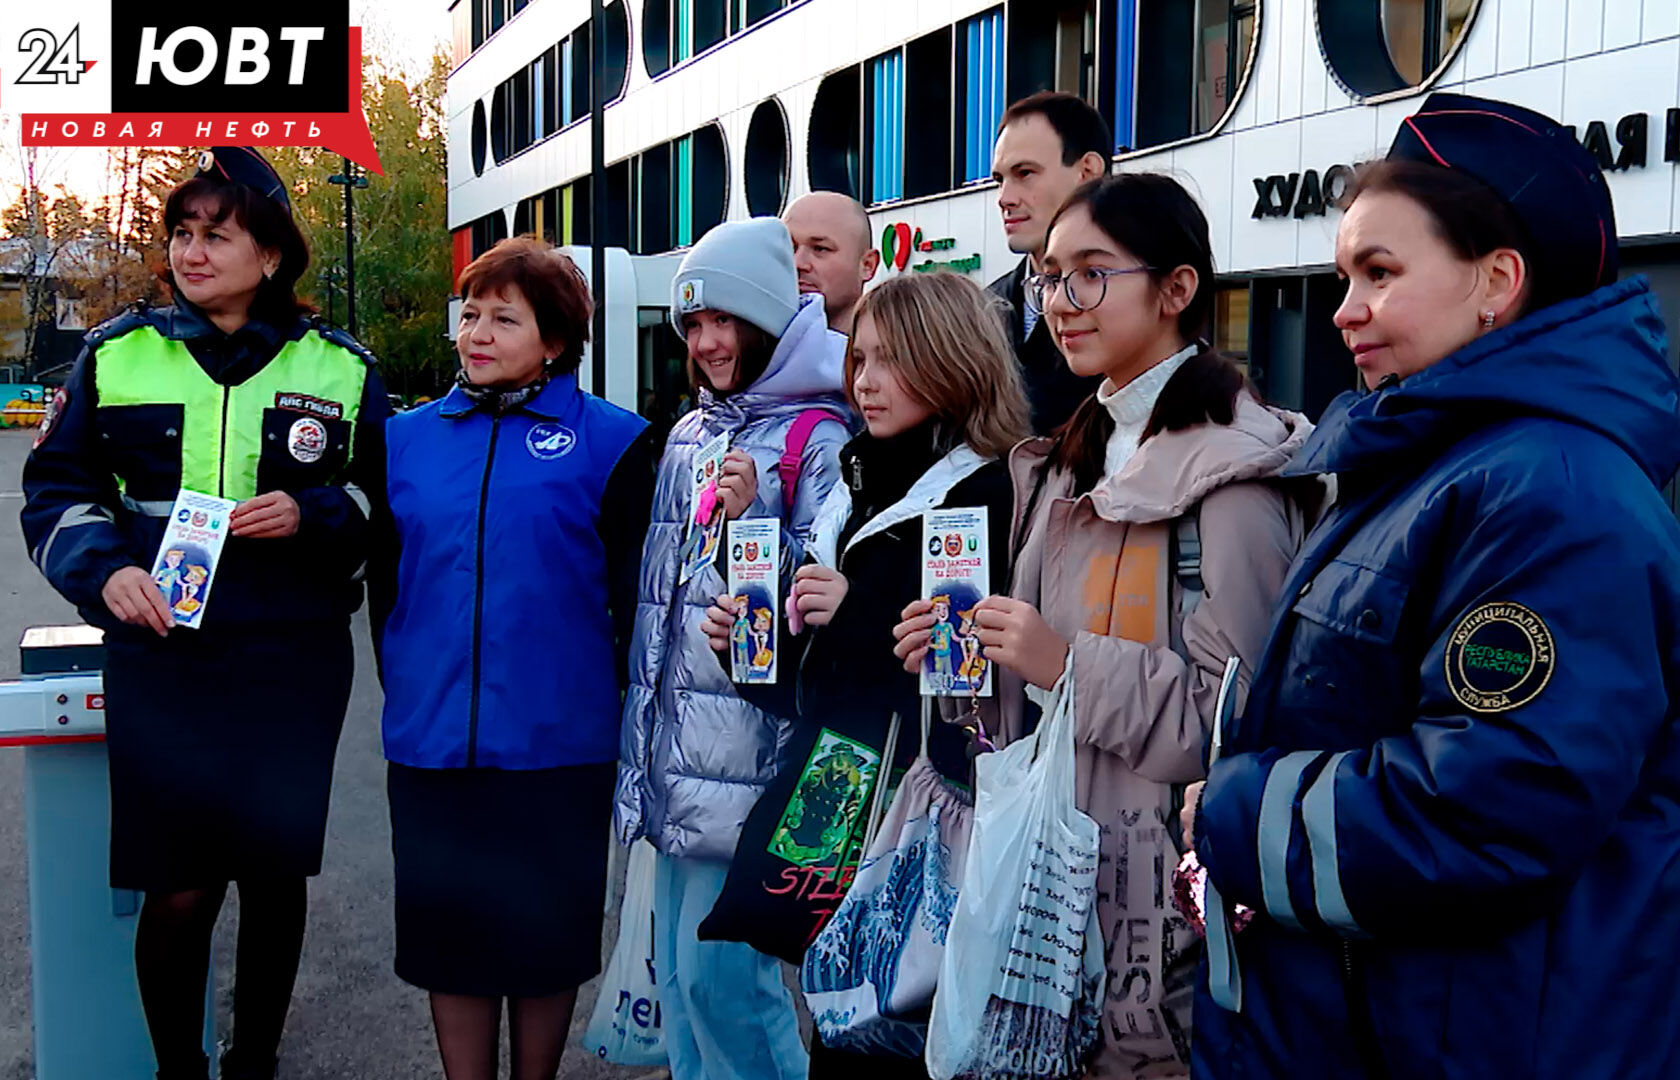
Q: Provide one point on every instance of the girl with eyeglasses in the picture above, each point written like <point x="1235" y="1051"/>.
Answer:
<point x="1173" y="450"/>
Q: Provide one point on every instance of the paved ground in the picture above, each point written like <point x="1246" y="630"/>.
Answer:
<point x="351" y="1018"/>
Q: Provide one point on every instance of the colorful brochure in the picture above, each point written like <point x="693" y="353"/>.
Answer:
<point x="755" y="558"/>
<point x="191" y="553"/>
<point x="955" y="576"/>
<point x="705" y="508"/>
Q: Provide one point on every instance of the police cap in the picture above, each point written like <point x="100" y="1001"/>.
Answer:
<point x="1538" y="168"/>
<point x="243" y="165"/>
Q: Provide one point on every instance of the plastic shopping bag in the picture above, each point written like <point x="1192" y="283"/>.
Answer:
<point x="869" y="977"/>
<point x="1021" y="987"/>
<point x="626" y="1027"/>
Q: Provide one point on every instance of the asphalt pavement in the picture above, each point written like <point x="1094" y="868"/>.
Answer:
<point x="351" y="1017"/>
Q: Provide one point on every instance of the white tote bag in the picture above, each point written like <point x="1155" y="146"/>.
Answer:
<point x="1021" y="984"/>
<point x="627" y="1026"/>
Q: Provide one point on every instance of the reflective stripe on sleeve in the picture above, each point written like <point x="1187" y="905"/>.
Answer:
<point x="360" y="499"/>
<point x="158" y="508"/>
<point x="1318" y="815"/>
<point x="73" y="517"/>
<point x="1277" y="820"/>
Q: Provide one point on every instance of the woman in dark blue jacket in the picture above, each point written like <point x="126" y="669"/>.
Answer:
<point x="1453" y="798"/>
<point x="520" y="503"/>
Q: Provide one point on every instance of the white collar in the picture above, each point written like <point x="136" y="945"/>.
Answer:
<point x="929" y="490"/>
<point x="1130" y="405"/>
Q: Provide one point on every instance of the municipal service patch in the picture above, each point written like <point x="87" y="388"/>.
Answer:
<point x="1499" y="658"/>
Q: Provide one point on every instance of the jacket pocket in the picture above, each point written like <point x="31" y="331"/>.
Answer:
<point x="142" y="448"/>
<point x="1349" y="674"/>
<point x="300" y="451"/>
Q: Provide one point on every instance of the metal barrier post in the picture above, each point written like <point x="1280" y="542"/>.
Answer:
<point x="88" y="1021"/>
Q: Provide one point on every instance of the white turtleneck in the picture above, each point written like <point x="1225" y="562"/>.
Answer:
<point x="1131" y="405"/>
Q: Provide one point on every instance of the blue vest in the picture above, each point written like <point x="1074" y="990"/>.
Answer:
<point x="499" y="650"/>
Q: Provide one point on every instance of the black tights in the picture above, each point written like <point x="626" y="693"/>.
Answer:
<point x="469" y="1034"/>
<point x="172" y="961"/>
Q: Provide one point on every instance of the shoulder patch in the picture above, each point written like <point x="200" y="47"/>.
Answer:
<point x="1499" y="657"/>
<point x="56" y="406"/>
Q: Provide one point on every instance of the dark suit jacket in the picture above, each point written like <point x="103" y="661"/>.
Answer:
<point x="1052" y="390"/>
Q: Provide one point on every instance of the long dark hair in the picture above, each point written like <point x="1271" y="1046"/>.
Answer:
<point x="1468" y="216"/>
<point x="268" y="223"/>
<point x="1154" y="218"/>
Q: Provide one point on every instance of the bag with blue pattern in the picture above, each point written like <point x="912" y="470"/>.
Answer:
<point x="870" y="974"/>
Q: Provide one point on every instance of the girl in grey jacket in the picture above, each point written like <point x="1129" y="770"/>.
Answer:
<point x="693" y="756"/>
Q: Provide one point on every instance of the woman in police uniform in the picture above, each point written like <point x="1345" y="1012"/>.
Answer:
<point x="1453" y="797"/>
<point x="221" y="737"/>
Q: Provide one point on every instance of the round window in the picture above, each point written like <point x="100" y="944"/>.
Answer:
<point x="480" y="138"/>
<point x="766" y="160"/>
<point x="1388" y="45"/>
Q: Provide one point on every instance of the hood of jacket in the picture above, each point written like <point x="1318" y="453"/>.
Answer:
<point x="806" y="370"/>
<point x="1599" y="362"/>
<point x="1174" y="470"/>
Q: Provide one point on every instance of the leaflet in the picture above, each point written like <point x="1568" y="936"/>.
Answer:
<point x="705" y="518"/>
<point x="955" y="577"/>
<point x="190" y="555"/>
<point x="754" y="563"/>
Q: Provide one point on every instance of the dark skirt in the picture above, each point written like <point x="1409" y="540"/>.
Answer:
<point x="221" y="746"/>
<point x="501" y="877"/>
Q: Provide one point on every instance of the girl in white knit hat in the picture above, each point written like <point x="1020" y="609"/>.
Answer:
<point x="694" y="757"/>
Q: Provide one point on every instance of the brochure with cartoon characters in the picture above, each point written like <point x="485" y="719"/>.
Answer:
<point x="755" y="557"/>
<point x="191" y="551"/>
<point x="955" y="577"/>
<point x="705" y="517"/>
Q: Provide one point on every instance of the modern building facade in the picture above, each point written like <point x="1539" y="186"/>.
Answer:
<point x="727" y="108"/>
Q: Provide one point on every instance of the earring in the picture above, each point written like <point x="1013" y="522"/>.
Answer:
<point x="1488" y="318"/>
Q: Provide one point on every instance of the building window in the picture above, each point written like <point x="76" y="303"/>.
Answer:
<point x="1387" y="45"/>
<point x="765" y="165"/>
<point x="1186" y="63"/>
<point x="927" y="127"/>
<point x="1230" y="322"/>
<point x="1052" y="46"/>
<point x="833" y="147"/>
<point x="488" y="231"/>
<point x="980" y="74"/>
<point x="480" y="138"/>
<point x="674" y="31"/>
<point x="884" y="97"/>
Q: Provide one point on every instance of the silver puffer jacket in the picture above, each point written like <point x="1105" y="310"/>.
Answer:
<point x="693" y="756"/>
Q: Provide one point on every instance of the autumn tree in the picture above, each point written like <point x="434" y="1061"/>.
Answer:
<point x="401" y="231"/>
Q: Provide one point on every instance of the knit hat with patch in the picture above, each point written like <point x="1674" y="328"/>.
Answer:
<point x="744" y="268"/>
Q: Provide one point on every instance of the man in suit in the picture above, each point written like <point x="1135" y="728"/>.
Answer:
<point x="1048" y="144"/>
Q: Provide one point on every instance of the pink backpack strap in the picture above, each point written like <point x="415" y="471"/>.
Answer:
<point x="793" y="452"/>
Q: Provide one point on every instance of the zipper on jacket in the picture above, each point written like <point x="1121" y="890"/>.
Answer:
<point x="1359" y="1015"/>
<point x="221" y="458"/>
<point x="478" y="596"/>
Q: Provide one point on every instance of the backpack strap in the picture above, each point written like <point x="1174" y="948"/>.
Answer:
<point x="1184" y="546"/>
<point x="793" y="452"/>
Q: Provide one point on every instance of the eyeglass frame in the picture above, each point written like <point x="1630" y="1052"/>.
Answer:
<point x="1040" y="290"/>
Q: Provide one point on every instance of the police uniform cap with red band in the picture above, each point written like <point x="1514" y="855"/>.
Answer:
<point x="1536" y="166"/>
<point x="243" y="165"/>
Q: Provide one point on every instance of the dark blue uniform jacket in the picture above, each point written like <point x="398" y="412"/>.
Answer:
<point x="1454" y="796"/>
<point x="80" y="530"/>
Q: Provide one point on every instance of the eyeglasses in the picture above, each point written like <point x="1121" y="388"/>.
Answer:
<point x="1085" y="288"/>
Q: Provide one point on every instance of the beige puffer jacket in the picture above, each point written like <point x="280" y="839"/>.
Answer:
<point x="1097" y="568"/>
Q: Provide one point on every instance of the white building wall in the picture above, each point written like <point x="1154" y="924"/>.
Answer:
<point x="1578" y="60"/>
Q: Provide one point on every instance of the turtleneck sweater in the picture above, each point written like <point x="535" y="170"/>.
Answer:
<point x="1131" y="406"/>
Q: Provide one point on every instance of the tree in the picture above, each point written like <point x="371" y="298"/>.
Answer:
<point x="403" y="266"/>
<point x="49" y="220"/>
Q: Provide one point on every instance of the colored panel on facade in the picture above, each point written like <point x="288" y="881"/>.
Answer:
<point x="886" y="76"/>
<point x="684" y="170"/>
<point x="461" y="252"/>
<point x="982" y="90"/>
<point x="1125" y="73"/>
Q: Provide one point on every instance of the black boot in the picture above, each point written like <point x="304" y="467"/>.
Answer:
<point x="238" y="1066"/>
<point x="186" y="1070"/>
